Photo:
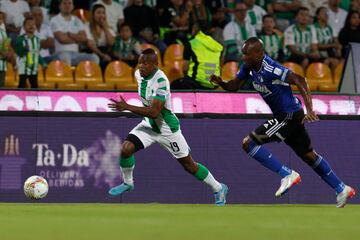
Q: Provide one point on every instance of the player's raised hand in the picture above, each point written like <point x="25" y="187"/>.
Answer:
<point x="215" y="79"/>
<point x="118" y="105"/>
<point x="311" y="117"/>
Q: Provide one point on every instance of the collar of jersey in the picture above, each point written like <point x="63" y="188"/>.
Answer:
<point x="262" y="64"/>
<point x="151" y="75"/>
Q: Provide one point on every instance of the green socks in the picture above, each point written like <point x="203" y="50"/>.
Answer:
<point x="127" y="166"/>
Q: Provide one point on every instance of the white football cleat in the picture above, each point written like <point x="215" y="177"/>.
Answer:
<point x="342" y="197"/>
<point x="287" y="182"/>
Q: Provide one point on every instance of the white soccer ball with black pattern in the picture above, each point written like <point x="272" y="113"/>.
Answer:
<point x="36" y="187"/>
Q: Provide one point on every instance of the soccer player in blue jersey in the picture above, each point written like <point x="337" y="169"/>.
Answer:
<point x="272" y="81"/>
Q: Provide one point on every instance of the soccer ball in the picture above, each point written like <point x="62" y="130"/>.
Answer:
<point x="36" y="187"/>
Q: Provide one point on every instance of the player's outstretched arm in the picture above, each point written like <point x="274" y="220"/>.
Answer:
<point x="152" y="111"/>
<point x="303" y="87"/>
<point x="232" y="85"/>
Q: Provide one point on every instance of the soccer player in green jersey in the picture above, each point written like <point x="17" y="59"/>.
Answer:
<point x="160" y="125"/>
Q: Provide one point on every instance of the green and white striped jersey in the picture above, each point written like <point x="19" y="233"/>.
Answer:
<point x="301" y="39"/>
<point x="272" y="44"/>
<point x="3" y="39"/>
<point x="28" y="54"/>
<point x="263" y="3"/>
<point x="235" y="35"/>
<point x="325" y="35"/>
<point x="157" y="86"/>
<point x="284" y="15"/>
<point x="254" y="16"/>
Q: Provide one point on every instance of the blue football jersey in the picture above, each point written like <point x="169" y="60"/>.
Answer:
<point x="272" y="84"/>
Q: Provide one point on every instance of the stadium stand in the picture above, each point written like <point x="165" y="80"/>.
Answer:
<point x="88" y="71"/>
<point x="100" y="86"/>
<point x="174" y="52"/>
<point x="83" y="14"/>
<point x="229" y="70"/>
<point x="11" y="78"/>
<point x="147" y="45"/>
<point x="59" y="72"/>
<point x="42" y="83"/>
<point x="121" y="75"/>
<point x="319" y="74"/>
<point x="71" y="86"/>
<point x="174" y="70"/>
<point x="297" y="68"/>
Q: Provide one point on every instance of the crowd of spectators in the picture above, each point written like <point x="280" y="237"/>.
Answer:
<point x="300" y="31"/>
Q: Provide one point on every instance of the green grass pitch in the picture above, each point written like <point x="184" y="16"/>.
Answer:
<point x="177" y="221"/>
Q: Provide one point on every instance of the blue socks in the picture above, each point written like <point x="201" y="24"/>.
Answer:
<point x="321" y="166"/>
<point x="323" y="169"/>
<point x="263" y="156"/>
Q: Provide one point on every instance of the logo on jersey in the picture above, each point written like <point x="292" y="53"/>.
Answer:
<point x="278" y="71"/>
<point x="161" y="92"/>
<point x="262" y="89"/>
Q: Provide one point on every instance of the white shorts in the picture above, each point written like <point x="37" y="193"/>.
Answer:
<point x="174" y="143"/>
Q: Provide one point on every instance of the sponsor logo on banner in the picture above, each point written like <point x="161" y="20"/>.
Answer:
<point x="95" y="166"/>
<point x="11" y="164"/>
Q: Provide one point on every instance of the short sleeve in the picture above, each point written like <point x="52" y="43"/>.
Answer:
<point x="162" y="90"/>
<point x="79" y="24"/>
<point x="228" y="34"/>
<point x="333" y="34"/>
<point x="289" y="39"/>
<point x="243" y="73"/>
<point x="55" y="25"/>
<point x="252" y="31"/>
<point x="89" y="35"/>
<point x="120" y="10"/>
<point x="25" y="6"/>
<point x="314" y="39"/>
<point x="49" y="32"/>
<point x="279" y="72"/>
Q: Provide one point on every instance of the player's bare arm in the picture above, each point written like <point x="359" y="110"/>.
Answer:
<point x="232" y="85"/>
<point x="152" y="111"/>
<point x="303" y="87"/>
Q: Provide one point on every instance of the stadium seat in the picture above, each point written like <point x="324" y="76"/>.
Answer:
<point x="42" y="83"/>
<point x="121" y="74"/>
<point x="83" y="14"/>
<point x="328" y="87"/>
<point x="70" y="86"/>
<point x="319" y="73"/>
<point x="147" y="45"/>
<point x="100" y="86"/>
<point x="174" y="52"/>
<point x="338" y="73"/>
<point x="59" y="72"/>
<point x="11" y="78"/>
<point x="41" y="75"/>
<point x="334" y="86"/>
<point x="87" y="71"/>
<point x="229" y="70"/>
<point x="174" y="70"/>
<point x="296" y="68"/>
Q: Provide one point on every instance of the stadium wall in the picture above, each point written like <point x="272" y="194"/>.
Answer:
<point x="182" y="102"/>
<point x="78" y="154"/>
